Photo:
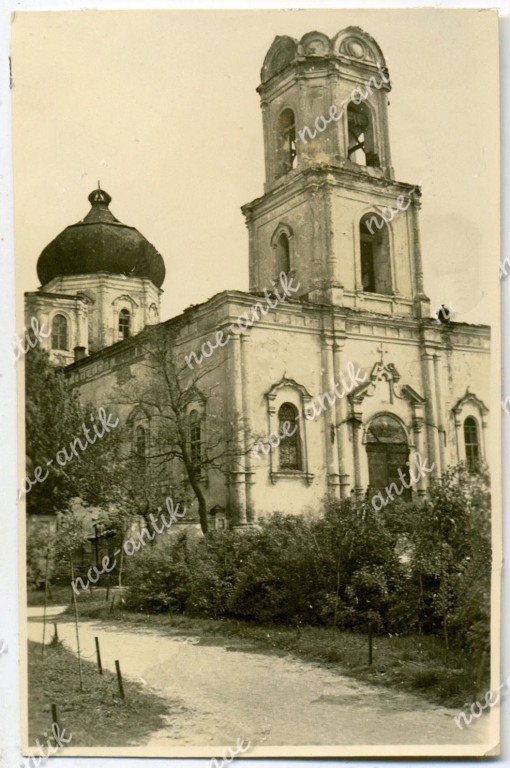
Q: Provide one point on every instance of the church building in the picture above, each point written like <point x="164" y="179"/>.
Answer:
<point x="335" y="335"/>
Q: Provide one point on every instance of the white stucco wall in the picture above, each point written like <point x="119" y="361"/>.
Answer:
<point x="301" y="347"/>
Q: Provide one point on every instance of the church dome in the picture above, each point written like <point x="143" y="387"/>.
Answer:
<point x="100" y="243"/>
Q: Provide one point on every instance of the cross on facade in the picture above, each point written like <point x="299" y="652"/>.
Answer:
<point x="382" y="352"/>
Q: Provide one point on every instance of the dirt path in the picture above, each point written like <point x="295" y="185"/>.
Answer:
<point x="229" y="691"/>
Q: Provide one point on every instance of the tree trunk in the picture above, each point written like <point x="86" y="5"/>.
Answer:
<point x="202" y="501"/>
<point x="45" y="601"/>
<point x="422" y="603"/>
<point x="445" y="632"/>
<point x="121" y="561"/>
<point x="75" y="606"/>
<point x="335" y="616"/>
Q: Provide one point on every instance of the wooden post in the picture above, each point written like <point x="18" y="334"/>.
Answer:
<point x="75" y="606"/>
<point x="98" y="654"/>
<point x="45" y="601"/>
<point x="96" y="543"/>
<point x="55" y="636"/>
<point x="119" y="680"/>
<point x="369" y="643"/>
<point x="54" y="715"/>
<point x="111" y="606"/>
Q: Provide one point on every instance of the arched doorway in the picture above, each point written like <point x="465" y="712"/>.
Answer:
<point x="387" y="453"/>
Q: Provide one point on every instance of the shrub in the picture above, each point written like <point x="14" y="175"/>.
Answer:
<point x="280" y="579"/>
<point x="215" y="563"/>
<point x="359" y="563"/>
<point x="158" y="576"/>
<point x="410" y="567"/>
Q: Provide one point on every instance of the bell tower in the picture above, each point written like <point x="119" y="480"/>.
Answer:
<point x="332" y="213"/>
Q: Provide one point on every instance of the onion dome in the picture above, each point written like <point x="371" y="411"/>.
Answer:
<point x="100" y="243"/>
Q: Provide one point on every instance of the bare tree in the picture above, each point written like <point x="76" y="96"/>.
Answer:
<point x="168" y="392"/>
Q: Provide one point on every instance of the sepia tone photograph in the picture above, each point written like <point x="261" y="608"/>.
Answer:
<point x="258" y="355"/>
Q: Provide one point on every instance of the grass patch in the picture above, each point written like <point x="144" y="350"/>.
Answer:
<point x="56" y="596"/>
<point x="412" y="663"/>
<point x="63" y="595"/>
<point x="96" y="716"/>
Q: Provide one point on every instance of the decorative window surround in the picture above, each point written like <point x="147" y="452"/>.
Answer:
<point x="470" y="405"/>
<point x="291" y="474"/>
<point x="288" y="391"/>
<point x="198" y="406"/>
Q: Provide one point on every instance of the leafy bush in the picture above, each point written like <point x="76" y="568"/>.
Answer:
<point x="410" y="568"/>
<point x="280" y="579"/>
<point x="451" y="538"/>
<point x="216" y="562"/>
<point x="360" y="565"/>
<point x="158" y="576"/>
<point x="37" y="542"/>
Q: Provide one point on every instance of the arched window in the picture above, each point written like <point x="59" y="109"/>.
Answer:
<point x="286" y="142"/>
<point x="290" y="444"/>
<point x="59" y="338"/>
<point x="375" y="254"/>
<point x="471" y="443"/>
<point x="124" y="324"/>
<point x="387" y="453"/>
<point x="140" y="441"/>
<point x="282" y="254"/>
<point x="361" y="149"/>
<point x="195" y="438"/>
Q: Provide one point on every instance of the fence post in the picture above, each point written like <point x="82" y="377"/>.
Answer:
<point x="55" y="636"/>
<point x="119" y="680"/>
<point x="98" y="654"/>
<point x="54" y="715"/>
<point x="369" y="643"/>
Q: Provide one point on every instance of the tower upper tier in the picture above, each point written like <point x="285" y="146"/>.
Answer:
<point x="324" y="102"/>
<point x="332" y="213"/>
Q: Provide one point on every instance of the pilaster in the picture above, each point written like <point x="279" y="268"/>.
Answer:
<point x="236" y="476"/>
<point x="246" y="401"/>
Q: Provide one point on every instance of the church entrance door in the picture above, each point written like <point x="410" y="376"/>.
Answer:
<point x="387" y="452"/>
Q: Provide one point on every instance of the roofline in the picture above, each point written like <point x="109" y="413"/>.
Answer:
<point x="55" y="295"/>
<point x="189" y="312"/>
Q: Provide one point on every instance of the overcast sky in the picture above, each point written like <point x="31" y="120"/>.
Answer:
<point x="161" y="107"/>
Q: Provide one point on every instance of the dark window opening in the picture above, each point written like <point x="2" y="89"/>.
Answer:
<point x="195" y="439"/>
<point x="375" y="255"/>
<point x="140" y="441"/>
<point x="59" y="338"/>
<point x="140" y="447"/>
<point x="124" y="324"/>
<point x="367" y="266"/>
<point x="361" y="149"/>
<point x="286" y="142"/>
<point x="282" y="254"/>
<point x="472" y="444"/>
<point x="290" y="445"/>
